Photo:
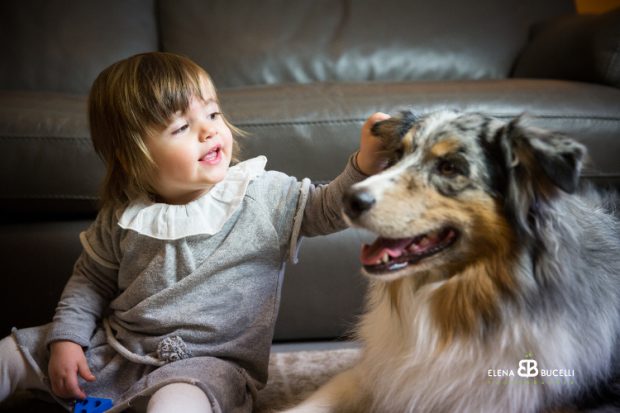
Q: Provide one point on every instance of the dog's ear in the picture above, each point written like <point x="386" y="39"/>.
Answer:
<point x="549" y="160"/>
<point x="538" y="164"/>
<point x="392" y="130"/>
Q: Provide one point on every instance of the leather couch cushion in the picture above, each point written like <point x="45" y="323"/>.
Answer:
<point x="305" y="130"/>
<point x="309" y="130"/>
<point x="50" y="45"/>
<point x="272" y="41"/>
<point x="324" y="293"/>
<point x="47" y="161"/>
<point x="38" y="258"/>
<point x="580" y="47"/>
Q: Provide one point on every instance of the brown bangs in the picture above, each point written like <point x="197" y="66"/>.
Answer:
<point x="165" y="84"/>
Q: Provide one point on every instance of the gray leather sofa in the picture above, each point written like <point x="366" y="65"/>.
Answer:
<point x="301" y="77"/>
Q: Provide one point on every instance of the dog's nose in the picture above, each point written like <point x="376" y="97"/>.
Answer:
<point x="357" y="202"/>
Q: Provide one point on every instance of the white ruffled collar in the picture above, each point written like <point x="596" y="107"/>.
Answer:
<point x="205" y="215"/>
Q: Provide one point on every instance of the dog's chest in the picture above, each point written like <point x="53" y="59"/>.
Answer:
<point x="407" y="365"/>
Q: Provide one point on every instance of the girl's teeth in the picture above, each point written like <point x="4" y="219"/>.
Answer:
<point x="211" y="155"/>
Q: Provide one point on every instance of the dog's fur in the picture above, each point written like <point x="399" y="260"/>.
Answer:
<point x="527" y="269"/>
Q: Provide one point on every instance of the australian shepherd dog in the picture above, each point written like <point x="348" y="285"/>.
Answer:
<point x="495" y="278"/>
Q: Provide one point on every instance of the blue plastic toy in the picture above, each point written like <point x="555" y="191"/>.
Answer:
<point x="92" y="405"/>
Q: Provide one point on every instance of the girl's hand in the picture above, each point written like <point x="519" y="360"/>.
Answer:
<point x="67" y="360"/>
<point x="372" y="157"/>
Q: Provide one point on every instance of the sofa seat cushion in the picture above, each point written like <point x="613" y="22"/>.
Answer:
<point x="305" y="130"/>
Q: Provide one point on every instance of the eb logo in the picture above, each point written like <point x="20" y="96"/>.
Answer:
<point x="528" y="368"/>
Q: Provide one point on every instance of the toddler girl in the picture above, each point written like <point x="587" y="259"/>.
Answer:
<point x="171" y="305"/>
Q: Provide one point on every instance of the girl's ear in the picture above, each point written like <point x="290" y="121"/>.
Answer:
<point x="548" y="160"/>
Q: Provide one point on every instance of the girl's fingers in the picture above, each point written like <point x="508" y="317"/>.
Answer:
<point x="84" y="371"/>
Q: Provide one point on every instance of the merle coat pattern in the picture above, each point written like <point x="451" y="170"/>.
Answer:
<point x="490" y="258"/>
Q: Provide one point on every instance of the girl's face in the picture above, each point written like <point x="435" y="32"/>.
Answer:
<point x="192" y="153"/>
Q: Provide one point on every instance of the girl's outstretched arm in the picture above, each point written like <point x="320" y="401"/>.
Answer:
<point x="323" y="208"/>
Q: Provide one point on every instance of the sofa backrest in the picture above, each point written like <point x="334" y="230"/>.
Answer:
<point x="244" y="42"/>
<point x="62" y="45"/>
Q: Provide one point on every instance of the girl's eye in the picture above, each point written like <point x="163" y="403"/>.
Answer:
<point x="180" y="130"/>
<point x="214" y="115"/>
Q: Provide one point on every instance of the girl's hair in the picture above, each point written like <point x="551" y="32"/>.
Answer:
<point x="129" y="100"/>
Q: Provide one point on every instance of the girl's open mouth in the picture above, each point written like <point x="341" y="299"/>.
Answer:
<point x="213" y="156"/>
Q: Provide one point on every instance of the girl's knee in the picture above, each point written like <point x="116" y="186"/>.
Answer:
<point x="179" y="397"/>
<point x="14" y="371"/>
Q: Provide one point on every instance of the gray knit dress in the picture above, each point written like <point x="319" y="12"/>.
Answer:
<point x="187" y="293"/>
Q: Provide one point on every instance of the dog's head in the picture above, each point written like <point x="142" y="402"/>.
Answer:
<point x="462" y="186"/>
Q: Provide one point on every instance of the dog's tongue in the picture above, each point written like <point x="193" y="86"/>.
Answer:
<point x="374" y="252"/>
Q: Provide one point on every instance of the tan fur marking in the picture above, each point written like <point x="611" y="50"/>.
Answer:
<point x="393" y="291"/>
<point x="465" y="304"/>
<point x="444" y="147"/>
<point x="468" y="303"/>
<point x="407" y="141"/>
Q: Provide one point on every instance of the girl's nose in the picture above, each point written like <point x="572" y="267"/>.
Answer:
<point x="206" y="131"/>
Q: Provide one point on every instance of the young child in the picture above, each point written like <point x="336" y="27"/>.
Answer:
<point x="172" y="303"/>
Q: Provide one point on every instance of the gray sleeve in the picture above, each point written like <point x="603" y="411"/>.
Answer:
<point x="299" y="208"/>
<point x="280" y="195"/>
<point x="322" y="212"/>
<point x="90" y="288"/>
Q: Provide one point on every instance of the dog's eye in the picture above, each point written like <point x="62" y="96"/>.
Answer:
<point x="452" y="165"/>
<point x="447" y="168"/>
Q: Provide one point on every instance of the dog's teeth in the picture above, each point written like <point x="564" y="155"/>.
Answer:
<point x="398" y="266"/>
<point x="424" y="242"/>
<point x="386" y="258"/>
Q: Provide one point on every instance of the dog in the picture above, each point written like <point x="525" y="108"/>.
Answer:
<point x="494" y="280"/>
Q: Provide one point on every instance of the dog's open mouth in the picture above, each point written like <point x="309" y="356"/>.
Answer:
<point x="385" y="255"/>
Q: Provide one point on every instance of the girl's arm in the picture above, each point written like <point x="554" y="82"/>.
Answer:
<point x="83" y="301"/>
<point x="323" y="209"/>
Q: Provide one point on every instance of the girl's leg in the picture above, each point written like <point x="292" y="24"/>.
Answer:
<point x="15" y="373"/>
<point x="179" y="397"/>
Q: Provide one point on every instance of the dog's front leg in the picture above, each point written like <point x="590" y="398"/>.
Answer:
<point x="342" y="394"/>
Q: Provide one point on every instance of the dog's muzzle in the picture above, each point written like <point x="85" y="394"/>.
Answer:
<point x="357" y="201"/>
